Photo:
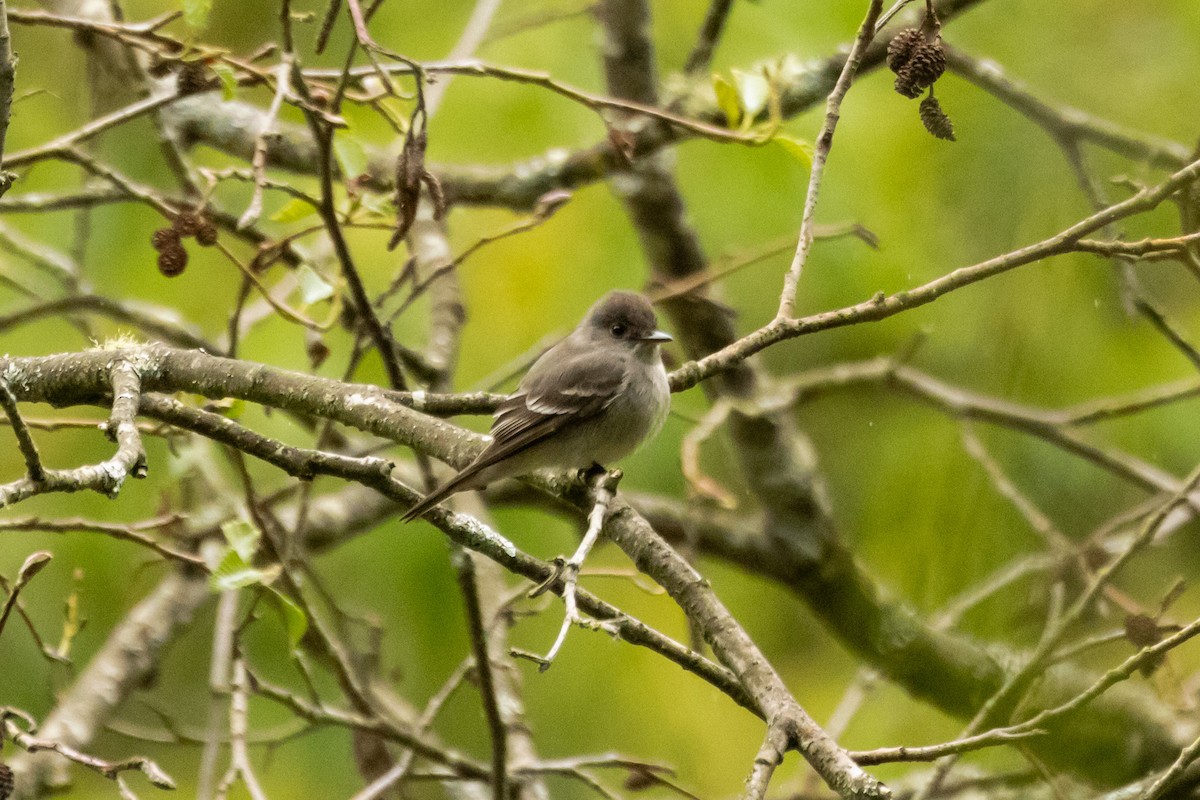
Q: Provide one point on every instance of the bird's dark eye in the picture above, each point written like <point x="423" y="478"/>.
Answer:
<point x="618" y="330"/>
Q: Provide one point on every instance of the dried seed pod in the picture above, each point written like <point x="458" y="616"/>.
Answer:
<point x="926" y="65"/>
<point x="188" y="223"/>
<point x="164" y="238"/>
<point x="207" y="235"/>
<point x="193" y="77"/>
<point x="172" y="261"/>
<point x="935" y="120"/>
<point x="6" y="781"/>
<point x="900" y="49"/>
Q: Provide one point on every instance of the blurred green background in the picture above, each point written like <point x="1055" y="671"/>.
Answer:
<point x="919" y="512"/>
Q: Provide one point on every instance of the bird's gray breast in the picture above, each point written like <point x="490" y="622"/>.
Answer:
<point x="635" y="415"/>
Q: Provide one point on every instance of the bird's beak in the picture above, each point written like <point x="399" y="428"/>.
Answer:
<point x="658" y="336"/>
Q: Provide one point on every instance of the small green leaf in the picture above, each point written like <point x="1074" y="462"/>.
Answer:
<point x="228" y="80"/>
<point x="195" y="13"/>
<point x="727" y="100"/>
<point x="351" y="157"/>
<point x="293" y="210"/>
<point x="234" y="573"/>
<point x="800" y="150"/>
<point x="313" y="288"/>
<point x="295" y="621"/>
<point x="242" y="536"/>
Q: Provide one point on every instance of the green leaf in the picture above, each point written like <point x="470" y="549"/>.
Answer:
<point x="800" y="150"/>
<point x="243" y="537"/>
<point x="234" y="573"/>
<point x="293" y="210"/>
<point x="195" y="13"/>
<point x="313" y="288"/>
<point x="295" y="621"/>
<point x="228" y="80"/>
<point x="351" y="157"/>
<point x="727" y="100"/>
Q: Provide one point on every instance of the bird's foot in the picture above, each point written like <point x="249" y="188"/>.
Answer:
<point x="588" y="475"/>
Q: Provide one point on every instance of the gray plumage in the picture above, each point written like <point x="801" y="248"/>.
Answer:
<point x="593" y="398"/>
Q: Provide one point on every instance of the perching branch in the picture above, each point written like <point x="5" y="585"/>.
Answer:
<point x="124" y="382"/>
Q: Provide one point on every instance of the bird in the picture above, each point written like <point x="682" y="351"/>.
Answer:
<point x="590" y="400"/>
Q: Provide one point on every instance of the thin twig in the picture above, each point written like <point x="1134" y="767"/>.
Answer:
<point x="109" y="769"/>
<point x="882" y="305"/>
<point x="33" y="462"/>
<point x="31" y="567"/>
<point x="262" y="142"/>
<point x="131" y="532"/>
<point x="710" y="33"/>
<point x="833" y="105"/>
<point x="8" y="74"/>
<point x="484" y="669"/>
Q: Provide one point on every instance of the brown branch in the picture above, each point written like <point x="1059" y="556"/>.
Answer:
<point x="833" y="105"/>
<point x="462" y="764"/>
<point x="882" y="306"/>
<point x="515" y="185"/>
<point x="465" y="571"/>
<point x="56" y="147"/>
<point x="710" y="33"/>
<point x="122" y="664"/>
<point x="961" y="669"/>
<point x="8" y="74"/>
<point x="33" y="462"/>
<point x="130" y="532"/>
<point x="109" y="769"/>
<point x="106" y="477"/>
<point x="376" y="473"/>
<point x="657" y="210"/>
<point x="32" y="566"/>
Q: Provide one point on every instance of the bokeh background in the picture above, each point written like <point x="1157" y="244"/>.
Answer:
<point x="920" y="513"/>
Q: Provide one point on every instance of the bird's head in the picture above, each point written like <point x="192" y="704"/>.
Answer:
<point x="627" y="318"/>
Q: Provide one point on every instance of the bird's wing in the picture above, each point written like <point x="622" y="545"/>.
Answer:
<point x="573" y="385"/>
<point x="555" y="393"/>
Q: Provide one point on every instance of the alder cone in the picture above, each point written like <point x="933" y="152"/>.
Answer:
<point x="188" y="223"/>
<point x="935" y="120"/>
<point x="901" y="48"/>
<point x="926" y="65"/>
<point x="164" y="238"/>
<point x="6" y="781"/>
<point x="172" y="261"/>
<point x="207" y="235"/>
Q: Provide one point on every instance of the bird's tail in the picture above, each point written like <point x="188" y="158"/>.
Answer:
<point x="439" y="494"/>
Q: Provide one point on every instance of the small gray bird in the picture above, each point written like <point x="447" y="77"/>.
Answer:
<point x="593" y="398"/>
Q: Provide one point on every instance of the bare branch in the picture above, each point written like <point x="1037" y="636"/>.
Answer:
<point x="109" y="769"/>
<point x="33" y="462"/>
<point x="833" y="106"/>
<point x="8" y="74"/>
<point x="882" y="306"/>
